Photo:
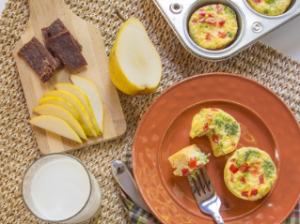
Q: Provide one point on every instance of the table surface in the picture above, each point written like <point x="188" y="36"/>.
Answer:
<point x="290" y="47"/>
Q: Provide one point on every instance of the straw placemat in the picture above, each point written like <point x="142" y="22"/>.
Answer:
<point x="18" y="145"/>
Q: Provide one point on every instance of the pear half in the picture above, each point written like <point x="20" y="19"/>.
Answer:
<point x="60" y="112"/>
<point x="78" y="106"/>
<point x="94" y="97"/>
<point x="83" y="98"/>
<point x="55" y="125"/>
<point x="134" y="64"/>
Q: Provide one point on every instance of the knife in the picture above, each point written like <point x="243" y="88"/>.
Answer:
<point x="125" y="180"/>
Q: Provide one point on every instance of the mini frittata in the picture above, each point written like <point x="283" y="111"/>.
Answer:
<point x="213" y="26"/>
<point x="269" y="7"/>
<point x="188" y="160"/>
<point x="222" y="130"/>
<point x="250" y="173"/>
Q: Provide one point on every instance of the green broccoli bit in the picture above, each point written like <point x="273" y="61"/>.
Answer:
<point x="229" y="34"/>
<point x="231" y="129"/>
<point x="270" y="1"/>
<point x="210" y="8"/>
<point x="251" y="153"/>
<point x="269" y="168"/>
<point x="219" y="121"/>
<point x="239" y="161"/>
<point x="194" y="174"/>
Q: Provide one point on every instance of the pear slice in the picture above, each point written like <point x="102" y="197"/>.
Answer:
<point x="134" y="63"/>
<point x="78" y="106"/>
<point x="60" y="112"/>
<point x="82" y="97"/>
<point x="60" y="102"/>
<point x="69" y="107"/>
<point x="55" y="125"/>
<point x="94" y="97"/>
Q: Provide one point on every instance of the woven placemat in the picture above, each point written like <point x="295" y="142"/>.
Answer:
<point x="18" y="145"/>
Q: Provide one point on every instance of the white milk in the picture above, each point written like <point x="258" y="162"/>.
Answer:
<point x="61" y="188"/>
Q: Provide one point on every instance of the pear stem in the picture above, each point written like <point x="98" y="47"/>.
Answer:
<point x="120" y="15"/>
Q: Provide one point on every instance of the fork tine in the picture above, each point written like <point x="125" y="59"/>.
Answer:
<point x="207" y="179"/>
<point x="202" y="182"/>
<point x="193" y="187"/>
<point x="198" y="186"/>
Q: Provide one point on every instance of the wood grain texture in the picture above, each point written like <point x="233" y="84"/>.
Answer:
<point x="42" y="14"/>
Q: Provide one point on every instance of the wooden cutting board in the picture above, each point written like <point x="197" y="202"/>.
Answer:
<point x="42" y="14"/>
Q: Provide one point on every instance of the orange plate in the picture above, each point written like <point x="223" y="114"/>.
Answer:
<point x="266" y="123"/>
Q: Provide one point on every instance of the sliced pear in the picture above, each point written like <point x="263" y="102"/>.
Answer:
<point x="94" y="97"/>
<point x="69" y="107"/>
<point x="60" y="102"/>
<point x="78" y="106"/>
<point x="60" y="112"/>
<point x="82" y="97"/>
<point x="134" y="63"/>
<point x="55" y="125"/>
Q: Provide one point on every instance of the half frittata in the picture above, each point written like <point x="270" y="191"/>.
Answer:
<point x="188" y="161"/>
<point x="222" y="130"/>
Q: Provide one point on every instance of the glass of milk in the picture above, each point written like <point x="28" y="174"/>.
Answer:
<point x="59" y="188"/>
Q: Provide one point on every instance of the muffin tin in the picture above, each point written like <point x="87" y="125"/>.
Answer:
<point x="252" y="25"/>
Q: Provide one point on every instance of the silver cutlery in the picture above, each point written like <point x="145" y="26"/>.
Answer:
<point x="125" y="180"/>
<point x="205" y="195"/>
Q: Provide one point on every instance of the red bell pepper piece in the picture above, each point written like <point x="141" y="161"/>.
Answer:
<point x="233" y="168"/>
<point x="243" y="179"/>
<point x="202" y="12"/>
<point x="185" y="172"/>
<point x="215" y="138"/>
<point x="205" y="128"/>
<point x="261" y="179"/>
<point x="193" y="163"/>
<point x="244" y="168"/>
<point x="254" y="171"/>
<point x="254" y="192"/>
<point x="245" y="194"/>
<point x="194" y="21"/>
<point x="221" y="22"/>
<point x="208" y="36"/>
<point x="219" y="8"/>
<point x="222" y="35"/>
<point x="211" y="21"/>
<point x="213" y="109"/>
<point x="233" y="160"/>
<point x="202" y="20"/>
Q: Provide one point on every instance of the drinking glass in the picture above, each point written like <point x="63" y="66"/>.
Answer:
<point x="59" y="188"/>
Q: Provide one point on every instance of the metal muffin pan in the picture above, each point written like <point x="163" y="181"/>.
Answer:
<point x="252" y="25"/>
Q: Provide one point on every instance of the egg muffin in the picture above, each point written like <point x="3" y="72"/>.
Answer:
<point x="250" y="173"/>
<point x="213" y="26"/>
<point x="269" y="7"/>
<point x="222" y="130"/>
<point x="188" y="160"/>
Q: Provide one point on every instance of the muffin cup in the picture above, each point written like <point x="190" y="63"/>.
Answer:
<point x="239" y="17"/>
<point x="293" y="5"/>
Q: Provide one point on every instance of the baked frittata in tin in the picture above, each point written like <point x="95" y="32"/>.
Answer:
<point x="250" y="173"/>
<point x="188" y="160"/>
<point x="269" y="7"/>
<point x="222" y="130"/>
<point x="213" y="26"/>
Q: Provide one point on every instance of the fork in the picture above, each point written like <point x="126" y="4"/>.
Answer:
<point x="206" y="198"/>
